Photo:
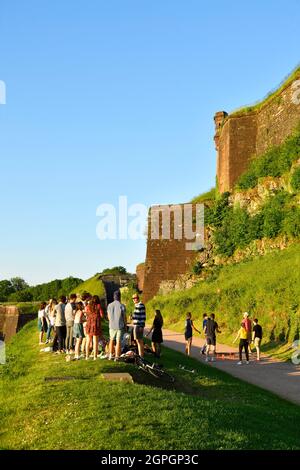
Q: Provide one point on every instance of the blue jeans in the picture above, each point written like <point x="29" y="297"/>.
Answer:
<point x="50" y="328"/>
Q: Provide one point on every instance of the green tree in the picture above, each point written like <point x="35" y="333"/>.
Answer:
<point x="18" y="284"/>
<point x="6" y="289"/>
<point x="115" y="270"/>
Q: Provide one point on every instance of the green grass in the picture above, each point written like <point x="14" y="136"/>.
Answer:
<point x="24" y="307"/>
<point x="205" y="197"/>
<point x="272" y="95"/>
<point x="268" y="287"/>
<point x="94" y="286"/>
<point x="275" y="162"/>
<point x="208" y="410"/>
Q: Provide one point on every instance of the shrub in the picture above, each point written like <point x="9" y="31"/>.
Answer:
<point x="274" y="162"/>
<point x="291" y="222"/>
<point x="215" y="215"/>
<point x="197" y="268"/>
<point x="21" y="296"/>
<point x="295" y="179"/>
<point x="273" y="214"/>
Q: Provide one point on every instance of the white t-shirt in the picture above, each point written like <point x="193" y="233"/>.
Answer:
<point x="79" y="317"/>
<point x="42" y="313"/>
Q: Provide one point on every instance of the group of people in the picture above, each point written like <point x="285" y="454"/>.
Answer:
<point x="248" y="334"/>
<point x="76" y="323"/>
<point x="77" y="326"/>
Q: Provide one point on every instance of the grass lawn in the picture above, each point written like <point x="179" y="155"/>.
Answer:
<point x="267" y="287"/>
<point x="205" y="410"/>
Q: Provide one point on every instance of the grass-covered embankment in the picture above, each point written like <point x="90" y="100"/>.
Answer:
<point x="93" y="286"/>
<point x="207" y="410"/>
<point x="267" y="287"/>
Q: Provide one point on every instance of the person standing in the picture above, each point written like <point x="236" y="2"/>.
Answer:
<point x="93" y="327"/>
<point x="188" y="333"/>
<point x="157" y="337"/>
<point x="257" y="337"/>
<point x="248" y="327"/>
<point x="42" y="322"/>
<point x="244" y="344"/>
<point x="116" y="313"/>
<point x="70" y="314"/>
<point x="139" y="319"/>
<point x="50" y="315"/>
<point x="78" y="328"/>
<point x="211" y="329"/>
<point x="60" y="323"/>
<point x="204" y="321"/>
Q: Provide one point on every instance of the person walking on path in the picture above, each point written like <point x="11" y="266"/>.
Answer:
<point x="116" y="313"/>
<point x="188" y="333"/>
<point x="93" y="327"/>
<point x="257" y="337"/>
<point x="78" y="328"/>
<point x="244" y="344"/>
<point x="60" y="323"/>
<point x="139" y="319"/>
<point x="247" y="323"/>
<point x="211" y="329"/>
<point x="204" y="322"/>
<point x="70" y="314"/>
<point x="42" y="322"/>
<point x="157" y="336"/>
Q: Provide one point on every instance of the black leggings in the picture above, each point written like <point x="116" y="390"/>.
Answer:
<point x="244" y="344"/>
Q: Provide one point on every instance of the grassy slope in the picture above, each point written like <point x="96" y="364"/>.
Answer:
<point x="295" y="75"/>
<point x="208" y="410"/>
<point x="93" y="285"/>
<point x="204" y="197"/>
<point x="268" y="287"/>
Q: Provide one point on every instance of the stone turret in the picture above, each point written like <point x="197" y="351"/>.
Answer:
<point x="219" y="119"/>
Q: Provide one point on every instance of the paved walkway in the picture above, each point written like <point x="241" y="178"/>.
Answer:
<point x="281" y="378"/>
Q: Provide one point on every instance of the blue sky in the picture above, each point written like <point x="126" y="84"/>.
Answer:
<point x="109" y="98"/>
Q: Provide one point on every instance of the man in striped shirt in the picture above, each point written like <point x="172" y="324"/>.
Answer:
<point x="139" y="319"/>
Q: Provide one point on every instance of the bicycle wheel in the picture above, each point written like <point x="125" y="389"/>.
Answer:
<point x="160" y="373"/>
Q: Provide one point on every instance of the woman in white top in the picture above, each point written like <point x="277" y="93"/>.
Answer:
<point x="50" y="317"/>
<point x="42" y="322"/>
<point x="78" y="328"/>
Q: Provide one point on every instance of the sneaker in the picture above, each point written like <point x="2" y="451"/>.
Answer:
<point x="239" y="363"/>
<point x="247" y="362"/>
<point x="110" y="358"/>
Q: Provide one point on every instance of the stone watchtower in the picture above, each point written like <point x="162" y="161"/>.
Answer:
<point x="249" y="132"/>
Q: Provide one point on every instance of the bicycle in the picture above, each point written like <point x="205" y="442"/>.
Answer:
<point x="149" y="367"/>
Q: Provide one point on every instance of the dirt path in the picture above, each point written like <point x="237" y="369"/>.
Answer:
<point x="281" y="378"/>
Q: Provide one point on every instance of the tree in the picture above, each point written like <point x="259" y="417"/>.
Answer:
<point x="21" y="296"/>
<point x="115" y="270"/>
<point x="6" y="288"/>
<point x="18" y="284"/>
